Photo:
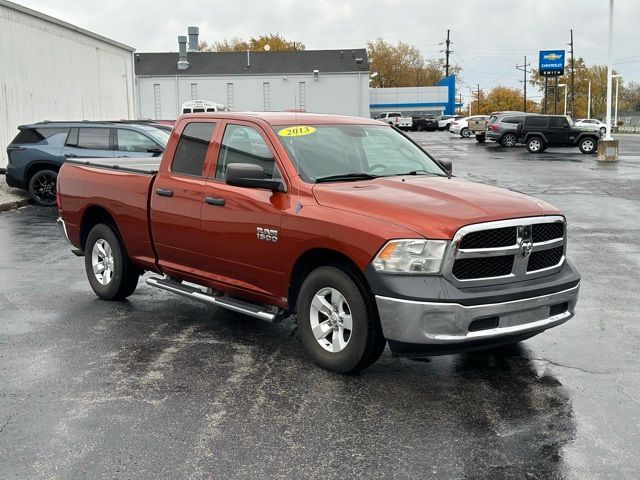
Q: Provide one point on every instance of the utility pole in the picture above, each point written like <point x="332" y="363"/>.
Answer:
<point x="555" y="97"/>
<point x="523" y="68"/>
<point x="447" y="51"/>
<point x="478" y="99"/>
<point x="573" y="68"/>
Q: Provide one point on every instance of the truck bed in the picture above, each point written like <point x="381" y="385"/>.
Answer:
<point x="148" y="165"/>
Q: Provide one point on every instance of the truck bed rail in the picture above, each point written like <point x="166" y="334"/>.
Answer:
<point x="145" y="165"/>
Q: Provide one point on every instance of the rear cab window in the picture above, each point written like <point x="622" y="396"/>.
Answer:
<point x="192" y="148"/>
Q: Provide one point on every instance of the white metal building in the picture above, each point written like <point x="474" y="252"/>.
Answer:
<point x="52" y="70"/>
<point x="321" y="81"/>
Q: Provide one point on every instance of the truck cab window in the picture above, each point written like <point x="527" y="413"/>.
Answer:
<point x="242" y="144"/>
<point x="192" y="148"/>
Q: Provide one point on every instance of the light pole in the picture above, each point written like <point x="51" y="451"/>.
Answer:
<point x="609" y="81"/>
<point x="565" y="96"/>
<point x="615" y="116"/>
<point x="589" y="101"/>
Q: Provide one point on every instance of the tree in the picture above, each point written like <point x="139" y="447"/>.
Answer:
<point x="630" y="97"/>
<point x="597" y="74"/>
<point x="276" y="43"/>
<point x="402" y="65"/>
<point x="501" y="99"/>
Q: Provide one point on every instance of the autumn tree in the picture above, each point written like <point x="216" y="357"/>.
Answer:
<point x="501" y="99"/>
<point x="402" y="65"/>
<point x="276" y="43"/>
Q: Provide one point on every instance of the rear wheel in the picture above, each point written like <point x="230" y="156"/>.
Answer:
<point x="535" y="145"/>
<point x="509" y="140"/>
<point x="42" y="187"/>
<point x="481" y="138"/>
<point x="420" y="128"/>
<point x="110" y="272"/>
<point x="465" y="133"/>
<point x="587" y="145"/>
<point x="603" y="130"/>
<point x="338" y="323"/>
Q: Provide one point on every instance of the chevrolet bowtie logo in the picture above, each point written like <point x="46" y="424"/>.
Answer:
<point x="552" y="56"/>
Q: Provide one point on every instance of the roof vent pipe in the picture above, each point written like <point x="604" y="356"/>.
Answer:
<point x="193" y="39"/>
<point x="183" y="63"/>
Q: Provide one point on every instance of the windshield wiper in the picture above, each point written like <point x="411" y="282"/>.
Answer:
<point x="347" y="176"/>
<point x="419" y="172"/>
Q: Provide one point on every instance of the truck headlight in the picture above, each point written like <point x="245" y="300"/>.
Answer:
<point x="411" y="256"/>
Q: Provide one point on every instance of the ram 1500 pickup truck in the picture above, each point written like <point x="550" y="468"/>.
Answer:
<point x="343" y="222"/>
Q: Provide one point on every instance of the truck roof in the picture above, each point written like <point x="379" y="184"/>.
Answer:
<point x="287" y="118"/>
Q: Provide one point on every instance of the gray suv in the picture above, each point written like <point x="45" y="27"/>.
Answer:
<point x="40" y="149"/>
<point x="502" y="127"/>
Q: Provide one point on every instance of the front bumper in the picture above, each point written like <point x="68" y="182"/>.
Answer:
<point x="448" y="320"/>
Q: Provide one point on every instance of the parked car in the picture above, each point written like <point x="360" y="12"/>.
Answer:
<point x="39" y="149"/>
<point x="461" y="126"/>
<point x="538" y="132"/>
<point x="444" y="121"/>
<point x="424" y="122"/>
<point x="592" y="124"/>
<point x="502" y="127"/>
<point x="343" y="222"/>
<point x="396" y="119"/>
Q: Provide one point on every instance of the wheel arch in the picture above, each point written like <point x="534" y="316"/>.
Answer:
<point x="37" y="165"/>
<point x="92" y="216"/>
<point x="535" y="134"/>
<point x="318" y="257"/>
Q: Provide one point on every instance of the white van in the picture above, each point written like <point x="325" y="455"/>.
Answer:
<point x="199" y="106"/>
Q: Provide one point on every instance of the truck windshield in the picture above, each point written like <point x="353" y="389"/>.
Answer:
<point x="352" y="152"/>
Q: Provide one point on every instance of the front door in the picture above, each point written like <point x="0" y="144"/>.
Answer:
<point x="240" y="226"/>
<point x="176" y="201"/>
<point x="559" y="131"/>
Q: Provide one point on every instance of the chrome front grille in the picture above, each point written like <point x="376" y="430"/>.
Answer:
<point x="506" y="251"/>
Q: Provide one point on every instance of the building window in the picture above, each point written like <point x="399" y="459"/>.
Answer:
<point x="156" y="100"/>
<point x="230" y="104"/>
<point x="302" y="87"/>
<point x="194" y="91"/>
<point x="266" y="96"/>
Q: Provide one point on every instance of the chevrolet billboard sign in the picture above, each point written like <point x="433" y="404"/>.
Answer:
<point x="551" y="63"/>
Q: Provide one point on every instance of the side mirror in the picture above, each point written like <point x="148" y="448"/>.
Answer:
<point x="447" y="165"/>
<point x="249" y="175"/>
<point x="155" y="150"/>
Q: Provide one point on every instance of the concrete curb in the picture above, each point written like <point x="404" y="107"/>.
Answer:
<point x="15" y="204"/>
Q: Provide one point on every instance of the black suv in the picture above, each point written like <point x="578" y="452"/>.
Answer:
<point x="538" y="132"/>
<point x="423" y="122"/>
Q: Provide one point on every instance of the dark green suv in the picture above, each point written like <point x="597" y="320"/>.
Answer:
<point x="538" y="132"/>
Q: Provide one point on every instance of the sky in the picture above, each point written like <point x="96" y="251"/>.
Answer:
<point x="489" y="37"/>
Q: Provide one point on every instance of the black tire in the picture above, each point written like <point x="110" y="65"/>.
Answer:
<point x="420" y="128"/>
<point x="509" y="140"/>
<point x="535" y="145"/>
<point x="366" y="341"/>
<point x="124" y="276"/>
<point x="588" y="145"/>
<point x="465" y="133"/>
<point x="480" y="138"/>
<point x="42" y="187"/>
<point x="603" y="130"/>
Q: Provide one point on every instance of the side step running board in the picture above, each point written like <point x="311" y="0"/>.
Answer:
<point x="229" y="303"/>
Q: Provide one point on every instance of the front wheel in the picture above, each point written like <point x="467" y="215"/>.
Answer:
<point x="338" y="322"/>
<point x="465" y="133"/>
<point x="587" y="145"/>
<point x="109" y="270"/>
<point x="535" y="145"/>
<point x="42" y="187"/>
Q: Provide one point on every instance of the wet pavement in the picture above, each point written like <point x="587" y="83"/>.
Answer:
<point x="159" y="387"/>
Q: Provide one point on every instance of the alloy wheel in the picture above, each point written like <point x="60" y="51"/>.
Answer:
<point x="331" y="321"/>
<point x="44" y="188"/>
<point x="102" y="261"/>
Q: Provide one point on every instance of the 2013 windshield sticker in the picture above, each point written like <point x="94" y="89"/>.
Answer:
<point x="296" y="131"/>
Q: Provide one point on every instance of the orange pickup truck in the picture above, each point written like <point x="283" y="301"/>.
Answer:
<point x="343" y="222"/>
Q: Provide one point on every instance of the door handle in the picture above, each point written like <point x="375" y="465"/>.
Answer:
<point x="164" y="192"/>
<point x="215" y="201"/>
<point x="70" y="155"/>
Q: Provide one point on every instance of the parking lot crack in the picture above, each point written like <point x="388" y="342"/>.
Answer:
<point x="583" y="370"/>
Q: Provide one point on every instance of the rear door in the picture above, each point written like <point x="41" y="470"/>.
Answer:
<point x="130" y="143"/>
<point x="89" y="142"/>
<point x="232" y="217"/>
<point x="176" y="200"/>
<point x="559" y="131"/>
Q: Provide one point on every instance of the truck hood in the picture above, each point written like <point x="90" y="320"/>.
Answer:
<point x="435" y="207"/>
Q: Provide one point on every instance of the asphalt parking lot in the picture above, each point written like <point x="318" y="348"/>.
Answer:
<point x="158" y="387"/>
